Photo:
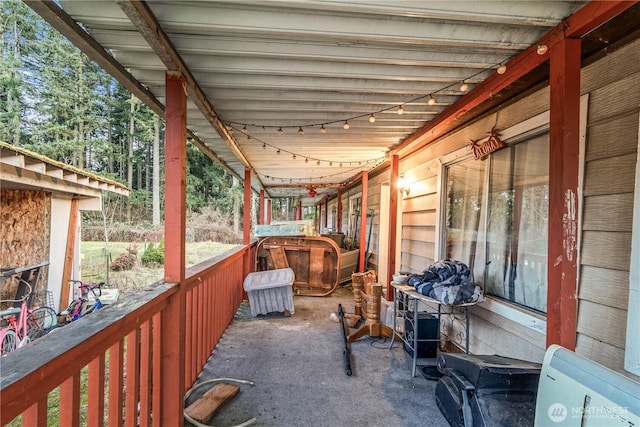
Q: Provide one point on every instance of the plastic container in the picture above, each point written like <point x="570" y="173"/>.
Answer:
<point x="270" y="291"/>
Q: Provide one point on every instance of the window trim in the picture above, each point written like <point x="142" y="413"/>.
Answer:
<point x="632" y="346"/>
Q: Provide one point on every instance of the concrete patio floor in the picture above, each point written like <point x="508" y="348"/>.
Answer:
<point x="296" y="364"/>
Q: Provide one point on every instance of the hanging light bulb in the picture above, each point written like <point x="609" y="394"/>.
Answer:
<point x="300" y="131"/>
<point x="345" y="125"/>
<point x="244" y="129"/>
<point x="322" y="129"/>
<point x="400" y="109"/>
<point x="278" y="152"/>
<point x="306" y="160"/>
<point x="541" y="49"/>
<point x="293" y="157"/>
<point x="264" y="146"/>
<point x="464" y="87"/>
<point x="502" y="69"/>
<point x="330" y="163"/>
<point x="340" y="164"/>
<point x="280" y="131"/>
<point x="372" y="118"/>
<point x="432" y="100"/>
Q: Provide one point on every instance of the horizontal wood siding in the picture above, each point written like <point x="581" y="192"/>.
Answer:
<point x="613" y="84"/>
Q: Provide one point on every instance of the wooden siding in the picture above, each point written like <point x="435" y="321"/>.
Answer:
<point x="613" y="84"/>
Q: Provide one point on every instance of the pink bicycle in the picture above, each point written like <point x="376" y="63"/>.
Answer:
<point x="24" y="324"/>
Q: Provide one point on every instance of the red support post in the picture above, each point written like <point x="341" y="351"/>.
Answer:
<point x="393" y="221"/>
<point x="246" y="228"/>
<point x="269" y="211"/>
<point x="564" y="146"/>
<point x="326" y="212"/>
<point x="363" y="222"/>
<point x="339" y="220"/>
<point x="173" y="317"/>
<point x="261" y="216"/>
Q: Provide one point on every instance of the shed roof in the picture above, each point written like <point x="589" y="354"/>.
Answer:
<point x="25" y="170"/>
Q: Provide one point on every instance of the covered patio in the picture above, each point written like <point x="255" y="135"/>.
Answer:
<point x="153" y="347"/>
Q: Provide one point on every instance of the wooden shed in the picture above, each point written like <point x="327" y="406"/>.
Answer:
<point x="40" y="204"/>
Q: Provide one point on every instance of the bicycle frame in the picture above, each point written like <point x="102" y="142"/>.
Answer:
<point x="18" y="326"/>
<point x="78" y="307"/>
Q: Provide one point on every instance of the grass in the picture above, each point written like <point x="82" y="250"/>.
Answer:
<point x="94" y="265"/>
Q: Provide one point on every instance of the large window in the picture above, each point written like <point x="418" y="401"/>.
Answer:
<point x="497" y="220"/>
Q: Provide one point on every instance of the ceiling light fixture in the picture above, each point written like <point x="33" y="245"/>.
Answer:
<point x="372" y="118"/>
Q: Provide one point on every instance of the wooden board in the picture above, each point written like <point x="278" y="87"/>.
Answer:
<point x="209" y="403"/>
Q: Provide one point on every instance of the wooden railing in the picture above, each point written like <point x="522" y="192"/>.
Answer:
<point x="108" y="368"/>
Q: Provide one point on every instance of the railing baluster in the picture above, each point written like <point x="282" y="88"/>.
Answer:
<point x="36" y="415"/>
<point x="145" y="374"/>
<point x="70" y="401"/>
<point x="131" y="383"/>
<point x="116" y="359"/>
<point x="95" y="404"/>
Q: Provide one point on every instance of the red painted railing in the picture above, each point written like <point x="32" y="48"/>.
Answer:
<point x="102" y="369"/>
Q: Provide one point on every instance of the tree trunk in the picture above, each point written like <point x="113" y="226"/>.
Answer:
<point x="130" y="154"/>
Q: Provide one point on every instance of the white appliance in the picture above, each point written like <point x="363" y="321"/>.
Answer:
<point x="574" y="391"/>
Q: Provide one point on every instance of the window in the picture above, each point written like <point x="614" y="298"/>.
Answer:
<point x="496" y="217"/>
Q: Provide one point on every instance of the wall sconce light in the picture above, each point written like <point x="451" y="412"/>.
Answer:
<point x="403" y="186"/>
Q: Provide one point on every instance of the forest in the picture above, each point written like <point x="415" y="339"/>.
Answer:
<point x="56" y="102"/>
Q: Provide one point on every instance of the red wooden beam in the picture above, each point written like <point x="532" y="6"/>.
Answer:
<point x="564" y="147"/>
<point x="363" y="221"/>
<point x="393" y="221"/>
<point x="269" y="212"/>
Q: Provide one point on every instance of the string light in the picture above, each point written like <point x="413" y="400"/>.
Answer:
<point x="300" y="131"/>
<point x="464" y="87"/>
<point x="244" y="129"/>
<point x="541" y="49"/>
<point x="372" y="118"/>
<point x="280" y="131"/>
<point x="264" y="146"/>
<point x="293" y="157"/>
<point x="400" y="109"/>
<point x="502" y="69"/>
<point x="306" y="160"/>
<point x="345" y="125"/>
<point x="278" y="152"/>
<point x="322" y="129"/>
<point x="432" y="100"/>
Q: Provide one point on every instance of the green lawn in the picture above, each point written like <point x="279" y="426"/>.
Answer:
<point x="94" y="265"/>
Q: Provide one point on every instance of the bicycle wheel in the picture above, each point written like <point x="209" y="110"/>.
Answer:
<point x="8" y="342"/>
<point x="40" y="321"/>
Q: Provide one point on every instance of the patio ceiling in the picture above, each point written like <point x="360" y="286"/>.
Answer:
<point x="254" y="67"/>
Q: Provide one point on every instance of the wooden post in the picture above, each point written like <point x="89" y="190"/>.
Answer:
<point x="393" y="225"/>
<point x="246" y="228"/>
<point x="173" y="317"/>
<point x="269" y="211"/>
<point x="363" y="222"/>
<point x="261" y="216"/>
<point x="564" y="165"/>
<point x="339" y="220"/>
<point x="68" y="257"/>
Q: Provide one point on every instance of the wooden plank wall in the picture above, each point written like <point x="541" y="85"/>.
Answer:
<point x="24" y="232"/>
<point x="613" y="85"/>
